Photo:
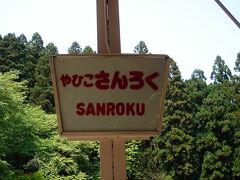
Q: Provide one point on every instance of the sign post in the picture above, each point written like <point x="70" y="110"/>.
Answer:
<point x="112" y="151"/>
<point x="109" y="97"/>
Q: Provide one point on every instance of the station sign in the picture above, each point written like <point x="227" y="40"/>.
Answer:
<point x="99" y="96"/>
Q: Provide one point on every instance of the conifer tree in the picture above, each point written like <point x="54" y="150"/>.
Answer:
<point x="12" y="53"/>
<point x="75" y="48"/>
<point x="236" y="135"/>
<point x="141" y="48"/>
<point x="217" y="126"/>
<point x="221" y="71"/>
<point x="171" y="155"/>
<point x="215" y="132"/>
<point x="34" y="52"/>
<point x="88" y="50"/>
<point x="197" y="89"/>
<point x="42" y="93"/>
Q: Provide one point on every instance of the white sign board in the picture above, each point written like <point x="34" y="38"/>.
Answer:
<point x="109" y="95"/>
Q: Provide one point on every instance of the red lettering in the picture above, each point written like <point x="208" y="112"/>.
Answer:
<point x="140" y="111"/>
<point x="80" y="110"/>
<point x="149" y="80"/>
<point x="130" y="109"/>
<point x="120" y="109"/>
<point x="137" y="77"/>
<point x="90" y="110"/>
<point x="90" y="77"/>
<point x="120" y="81"/>
<point x="76" y="82"/>
<point x="100" y="109"/>
<point x="102" y="80"/>
<point x="65" y="80"/>
<point x="110" y="109"/>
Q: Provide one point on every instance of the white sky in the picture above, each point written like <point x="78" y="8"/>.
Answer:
<point x="192" y="32"/>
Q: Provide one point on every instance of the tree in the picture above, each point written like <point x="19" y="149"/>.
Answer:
<point x="42" y="93"/>
<point x="19" y="54"/>
<point x="221" y="72"/>
<point x="50" y="49"/>
<point x="236" y="136"/>
<point x="13" y="53"/>
<point x="217" y="124"/>
<point x="19" y="125"/>
<point x="88" y="50"/>
<point x="5" y="170"/>
<point x="198" y="74"/>
<point x="35" y="50"/>
<point x="172" y="153"/>
<point x="237" y="64"/>
<point x="141" y="48"/>
<point x="23" y="39"/>
<point x="36" y="45"/>
<point x="75" y="48"/>
<point x="29" y="141"/>
<point x="197" y="89"/>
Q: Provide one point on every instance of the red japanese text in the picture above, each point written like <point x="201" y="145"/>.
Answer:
<point x="134" y="80"/>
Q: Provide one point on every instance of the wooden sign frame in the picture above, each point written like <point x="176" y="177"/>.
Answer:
<point x="127" y="135"/>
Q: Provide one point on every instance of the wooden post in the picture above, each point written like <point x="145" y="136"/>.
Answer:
<point x="112" y="151"/>
<point x="106" y="160"/>
<point x="119" y="159"/>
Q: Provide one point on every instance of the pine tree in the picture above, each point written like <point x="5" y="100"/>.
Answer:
<point x="217" y="126"/>
<point x="197" y="89"/>
<point x="236" y="117"/>
<point x="34" y="52"/>
<point x="88" y="50"/>
<point x="215" y="132"/>
<point x="42" y="93"/>
<point x="237" y="66"/>
<point x="75" y="48"/>
<point x="141" y="48"/>
<point x="221" y="72"/>
<point x="12" y="53"/>
<point x="171" y="155"/>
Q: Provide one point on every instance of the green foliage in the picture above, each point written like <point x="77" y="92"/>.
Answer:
<point x="75" y="48"/>
<point x="141" y="48"/>
<point x="217" y="124"/>
<point x="133" y="153"/>
<point x="171" y="155"/>
<point x="5" y="170"/>
<point x="19" y="175"/>
<point x="29" y="140"/>
<point x="59" y="157"/>
<point x="21" y="124"/>
<point x="200" y="137"/>
<point x="12" y="53"/>
<point x="30" y="58"/>
<point x="42" y="93"/>
<point x="237" y="63"/>
<point x="14" y="120"/>
<point x="198" y="74"/>
<point x="197" y="89"/>
<point x="88" y="50"/>
<point x="221" y="71"/>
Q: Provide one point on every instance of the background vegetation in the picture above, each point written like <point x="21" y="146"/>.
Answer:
<point x="200" y="138"/>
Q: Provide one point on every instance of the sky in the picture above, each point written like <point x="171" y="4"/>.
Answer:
<point x="192" y="32"/>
